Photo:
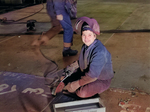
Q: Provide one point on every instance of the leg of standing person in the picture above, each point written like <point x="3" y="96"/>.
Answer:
<point x="68" y="35"/>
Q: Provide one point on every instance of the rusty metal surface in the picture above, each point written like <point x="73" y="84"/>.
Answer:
<point x="125" y="100"/>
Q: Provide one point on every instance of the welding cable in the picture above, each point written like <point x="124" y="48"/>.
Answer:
<point x="54" y="99"/>
<point x="32" y="14"/>
<point x="52" y="71"/>
<point x="47" y="105"/>
<point x="13" y="21"/>
<point x="56" y="68"/>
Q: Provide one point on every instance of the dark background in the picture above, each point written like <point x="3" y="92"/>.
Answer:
<point x="6" y="7"/>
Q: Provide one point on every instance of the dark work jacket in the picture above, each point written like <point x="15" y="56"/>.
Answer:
<point x="95" y="61"/>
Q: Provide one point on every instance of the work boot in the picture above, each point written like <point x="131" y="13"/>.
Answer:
<point x="69" y="52"/>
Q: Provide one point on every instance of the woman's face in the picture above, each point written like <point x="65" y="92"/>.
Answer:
<point x="88" y="37"/>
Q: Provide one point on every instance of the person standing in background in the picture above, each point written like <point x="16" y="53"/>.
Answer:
<point x="60" y="18"/>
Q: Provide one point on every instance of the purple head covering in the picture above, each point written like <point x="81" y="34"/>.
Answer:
<point x="91" y="24"/>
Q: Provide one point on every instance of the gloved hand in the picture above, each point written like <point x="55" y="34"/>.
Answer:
<point x="59" y="17"/>
<point x="73" y="86"/>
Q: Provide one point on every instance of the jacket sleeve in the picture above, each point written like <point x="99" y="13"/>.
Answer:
<point x="86" y="79"/>
<point x="98" y="61"/>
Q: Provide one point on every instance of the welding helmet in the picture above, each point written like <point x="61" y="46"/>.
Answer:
<point x="87" y="23"/>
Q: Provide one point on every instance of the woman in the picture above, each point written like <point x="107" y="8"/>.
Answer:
<point x="95" y="71"/>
